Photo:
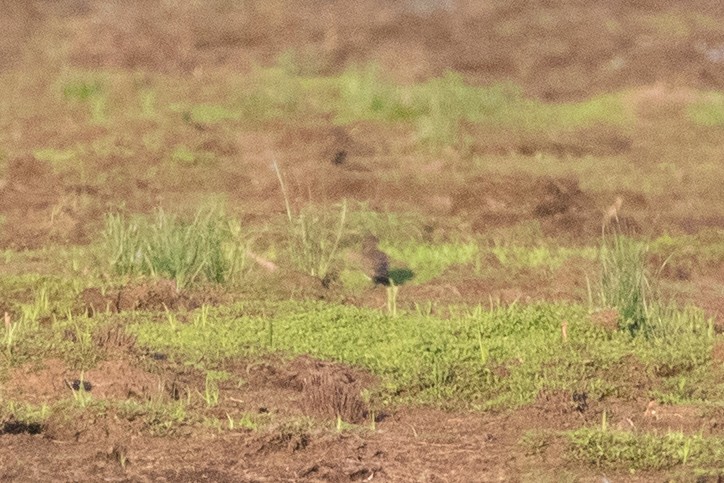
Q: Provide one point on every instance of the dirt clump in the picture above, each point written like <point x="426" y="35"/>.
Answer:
<point x="332" y="392"/>
<point x="287" y="437"/>
<point x="607" y="319"/>
<point x="113" y="338"/>
<point x="53" y="380"/>
<point x="119" y="379"/>
<point x="155" y="295"/>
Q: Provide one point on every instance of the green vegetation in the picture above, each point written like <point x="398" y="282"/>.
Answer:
<point x="641" y="451"/>
<point x="460" y="360"/>
<point x="518" y="257"/>
<point x="207" y="248"/>
<point x="428" y="261"/>
<point x="625" y="281"/>
<point x="708" y="111"/>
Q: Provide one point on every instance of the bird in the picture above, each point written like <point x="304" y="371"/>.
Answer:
<point x="375" y="262"/>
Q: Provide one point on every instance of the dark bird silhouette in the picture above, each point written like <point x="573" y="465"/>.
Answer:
<point x="375" y="262"/>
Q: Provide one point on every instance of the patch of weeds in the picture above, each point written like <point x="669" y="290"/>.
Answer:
<point x="273" y="93"/>
<point x="89" y="92"/>
<point x="206" y="248"/>
<point x="31" y="313"/>
<point x="301" y="62"/>
<point x="364" y="94"/>
<point x="76" y="343"/>
<point x="184" y="156"/>
<point x="9" y="334"/>
<point x="59" y="159"/>
<point x="708" y="111"/>
<point x="243" y="422"/>
<point x="404" y="228"/>
<point x="210" y="114"/>
<point x="314" y="239"/>
<point x="672" y="340"/>
<point x="419" y="358"/>
<point x="627" y="450"/>
<point x="701" y="386"/>
<point x="441" y="104"/>
<point x="535" y="442"/>
<point x="160" y="418"/>
<point x="428" y="261"/>
<point x="147" y="99"/>
<point x="82" y="90"/>
<point x="625" y="280"/>
<point x="211" y="387"/>
<point x="81" y="391"/>
<point x="688" y="252"/>
<point x="246" y="421"/>
<point x="17" y="417"/>
<point x="23" y="333"/>
<point x="517" y="257"/>
<point x="601" y="110"/>
<point x="677" y="341"/>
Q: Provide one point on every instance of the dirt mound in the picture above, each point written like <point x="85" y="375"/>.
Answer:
<point x="152" y="296"/>
<point x="328" y="390"/>
<point x="53" y="380"/>
<point x="332" y="392"/>
<point x="559" y="203"/>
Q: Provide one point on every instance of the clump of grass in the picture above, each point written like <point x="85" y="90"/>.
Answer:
<point x="206" y="248"/>
<point x="24" y="417"/>
<point x="314" y="234"/>
<point x="621" y="449"/>
<point x="625" y="281"/>
<point x="674" y="340"/>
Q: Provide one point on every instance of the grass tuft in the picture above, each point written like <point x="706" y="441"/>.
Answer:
<point x="625" y="281"/>
<point x="207" y="248"/>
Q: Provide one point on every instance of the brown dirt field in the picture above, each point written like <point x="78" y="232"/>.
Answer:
<point x="407" y="444"/>
<point x="556" y="50"/>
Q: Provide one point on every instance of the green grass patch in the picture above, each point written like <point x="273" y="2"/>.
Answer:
<point x="436" y="108"/>
<point x="56" y="157"/>
<point x="184" y="156"/>
<point x="205" y="248"/>
<point x="428" y="261"/>
<point x="313" y="238"/>
<point x="29" y="416"/>
<point x="625" y="280"/>
<point x="642" y="451"/>
<point x="159" y="418"/>
<point x="499" y="357"/>
<point x="210" y="114"/>
<point x="708" y="111"/>
<point x="519" y="257"/>
<point x="82" y="90"/>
